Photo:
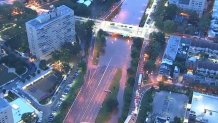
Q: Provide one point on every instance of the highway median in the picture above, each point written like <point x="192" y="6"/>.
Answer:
<point x="110" y="103"/>
<point x="65" y="107"/>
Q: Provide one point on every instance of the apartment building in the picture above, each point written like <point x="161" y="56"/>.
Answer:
<point x="196" y="5"/>
<point x="201" y="46"/>
<point x="50" y="30"/>
<point x="169" y="56"/>
<point x="213" y="31"/>
<point x="6" y="115"/>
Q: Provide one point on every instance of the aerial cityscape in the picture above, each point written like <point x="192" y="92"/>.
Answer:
<point x="108" y="61"/>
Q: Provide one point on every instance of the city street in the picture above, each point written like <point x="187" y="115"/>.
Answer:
<point x="88" y="102"/>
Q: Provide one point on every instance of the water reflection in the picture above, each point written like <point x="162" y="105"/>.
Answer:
<point x="131" y="12"/>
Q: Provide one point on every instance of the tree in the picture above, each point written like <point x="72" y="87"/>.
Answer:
<point x="169" y="26"/>
<point x="82" y="65"/>
<point x="130" y="71"/>
<point x="150" y="65"/>
<point x="135" y="52"/>
<point x="16" y="35"/>
<point x="82" y="10"/>
<point x="177" y="120"/>
<point x="157" y="37"/>
<point x="100" y="43"/>
<point x="43" y="65"/>
<point x="204" y="23"/>
<point x="67" y="52"/>
<point x="28" y="118"/>
<point x="131" y="81"/>
<point x="38" y="71"/>
<point x="137" y="42"/>
<point x="193" y="17"/>
<point x="20" y="69"/>
<point x="159" y="23"/>
<point x="66" y="67"/>
<point x="190" y="29"/>
<point x="171" y="11"/>
<point x="84" y="33"/>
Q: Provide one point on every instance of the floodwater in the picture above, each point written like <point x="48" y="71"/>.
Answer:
<point x="130" y="12"/>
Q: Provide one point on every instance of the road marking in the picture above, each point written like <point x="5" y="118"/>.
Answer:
<point x="97" y="87"/>
<point x="74" y="102"/>
<point x="79" y="93"/>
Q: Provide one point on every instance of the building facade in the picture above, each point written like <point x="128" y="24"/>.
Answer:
<point x="49" y="31"/>
<point x="213" y="31"/>
<point x="196" y="5"/>
<point x="169" y="57"/>
<point x="6" y="115"/>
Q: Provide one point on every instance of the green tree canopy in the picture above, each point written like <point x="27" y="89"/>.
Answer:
<point x="169" y="26"/>
<point x="171" y="11"/>
<point x="43" y="65"/>
<point x="28" y="118"/>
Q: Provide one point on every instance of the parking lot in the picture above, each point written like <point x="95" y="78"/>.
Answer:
<point x="5" y="76"/>
<point x="167" y="104"/>
<point x="44" y="87"/>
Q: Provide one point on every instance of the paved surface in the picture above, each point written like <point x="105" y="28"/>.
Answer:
<point x="91" y="96"/>
<point x="167" y="104"/>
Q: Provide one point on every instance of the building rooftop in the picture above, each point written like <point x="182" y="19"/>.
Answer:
<point x="205" y="107"/>
<point x="204" y="44"/>
<point x="167" y="104"/>
<point x="208" y="65"/>
<point x="172" y="47"/>
<point x="215" y="9"/>
<point x="50" y="16"/>
<point x="19" y="107"/>
<point x="3" y="103"/>
<point x="184" y="2"/>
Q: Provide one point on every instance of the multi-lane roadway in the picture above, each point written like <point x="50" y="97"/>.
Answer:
<point x="88" y="102"/>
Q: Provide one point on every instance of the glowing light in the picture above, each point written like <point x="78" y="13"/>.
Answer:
<point x="35" y="5"/>
<point x="16" y="11"/>
<point x="58" y="66"/>
<point x="184" y="14"/>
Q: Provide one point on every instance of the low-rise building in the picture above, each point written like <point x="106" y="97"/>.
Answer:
<point x="6" y="115"/>
<point x="196" y="5"/>
<point x="169" y="56"/>
<point x="203" y="108"/>
<point x="206" y="72"/>
<point x="198" y="46"/>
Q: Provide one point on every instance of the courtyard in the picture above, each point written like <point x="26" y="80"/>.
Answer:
<point x="5" y="75"/>
<point x="45" y="87"/>
<point x="168" y="104"/>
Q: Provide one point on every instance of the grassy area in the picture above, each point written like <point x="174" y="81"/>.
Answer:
<point x="129" y="89"/>
<point x="5" y="76"/>
<point x="142" y="22"/>
<point x="70" y="98"/>
<point x="100" y="44"/>
<point x="146" y="105"/>
<point x="150" y="3"/>
<point x="127" y="101"/>
<point x="110" y="103"/>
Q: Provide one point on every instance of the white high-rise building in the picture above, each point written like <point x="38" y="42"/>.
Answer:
<point x="196" y="5"/>
<point x="6" y="115"/>
<point x="50" y="30"/>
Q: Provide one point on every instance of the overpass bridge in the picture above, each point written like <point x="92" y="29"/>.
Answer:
<point x="119" y="28"/>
